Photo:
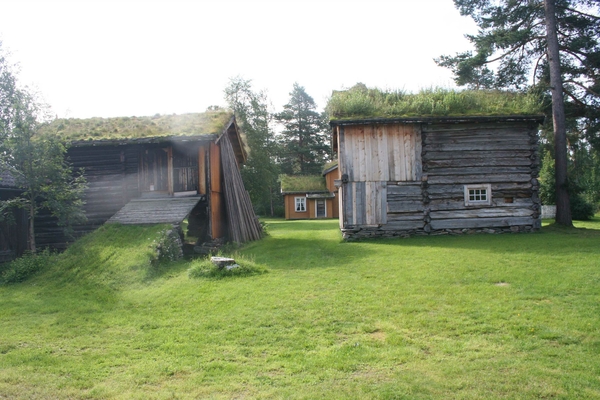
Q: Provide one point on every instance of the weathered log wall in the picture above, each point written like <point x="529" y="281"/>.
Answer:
<point x="431" y="200"/>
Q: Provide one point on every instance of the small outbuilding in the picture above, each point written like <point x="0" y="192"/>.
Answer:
<point x="402" y="176"/>
<point x="312" y="196"/>
<point x="159" y="169"/>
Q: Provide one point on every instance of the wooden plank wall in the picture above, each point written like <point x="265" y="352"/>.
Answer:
<point x="381" y="153"/>
<point x="371" y="156"/>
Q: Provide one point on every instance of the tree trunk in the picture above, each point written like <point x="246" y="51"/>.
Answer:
<point x="31" y="233"/>
<point x="563" y="207"/>
<point x="271" y="200"/>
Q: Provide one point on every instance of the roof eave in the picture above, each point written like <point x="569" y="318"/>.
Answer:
<point x="535" y="118"/>
<point x="146" y="140"/>
<point x="305" y="192"/>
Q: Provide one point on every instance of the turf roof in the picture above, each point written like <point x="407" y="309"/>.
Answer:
<point x="193" y="124"/>
<point x="302" y="183"/>
<point x="360" y="102"/>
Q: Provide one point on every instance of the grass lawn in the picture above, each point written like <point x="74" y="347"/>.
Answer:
<point x="465" y="317"/>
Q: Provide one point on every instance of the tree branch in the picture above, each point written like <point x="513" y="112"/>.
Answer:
<point x="572" y="96"/>
<point x="590" y="91"/>
<point x="537" y="64"/>
<point x="516" y="48"/>
<point x="595" y="17"/>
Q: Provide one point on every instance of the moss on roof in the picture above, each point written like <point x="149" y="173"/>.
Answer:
<point x="360" y="102"/>
<point x="212" y="122"/>
<point x="302" y="183"/>
<point x="329" y="165"/>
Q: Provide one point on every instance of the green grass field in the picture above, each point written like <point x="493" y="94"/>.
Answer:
<point x="465" y="317"/>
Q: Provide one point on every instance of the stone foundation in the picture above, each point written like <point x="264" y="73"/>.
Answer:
<point x="359" y="233"/>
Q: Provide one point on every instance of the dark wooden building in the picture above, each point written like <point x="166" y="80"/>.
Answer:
<point x="439" y="175"/>
<point x="159" y="169"/>
<point x="13" y="227"/>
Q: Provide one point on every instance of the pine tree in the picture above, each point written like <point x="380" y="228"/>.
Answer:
<point x="534" y="43"/>
<point x="260" y="172"/>
<point x="304" y="146"/>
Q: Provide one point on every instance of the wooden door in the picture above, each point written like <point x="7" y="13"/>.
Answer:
<point x="154" y="170"/>
<point x="321" y="208"/>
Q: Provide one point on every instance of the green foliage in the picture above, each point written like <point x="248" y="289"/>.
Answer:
<point x="71" y="129"/>
<point x="302" y="183"/>
<point x="25" y="267"/>
<point x="361" y="102"/>
<point x="581" y="209"/>
<point x="260" y="171"/>
<point x="547" y="181"/>
<point x="37" y="164"/>
<point x="166" y="247"/>
<point x="581" y="193"/>
<point x="304" y="140"/>
<point x="244" y="267"/>
<point x="584" y="172"/>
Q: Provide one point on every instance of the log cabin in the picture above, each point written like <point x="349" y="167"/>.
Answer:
<point x="161" y="169"/>
<point x="13" y="226"/>
<point x="437" y="175"/>
<point x="311" y="197"/>
<point x="439" y="161"/>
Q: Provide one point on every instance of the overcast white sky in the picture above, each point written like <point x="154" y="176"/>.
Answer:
<point x="125" y="58"/>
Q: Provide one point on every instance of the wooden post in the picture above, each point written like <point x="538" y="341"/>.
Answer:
<point x="202" y="170"/>
<point x="170" y="170"/>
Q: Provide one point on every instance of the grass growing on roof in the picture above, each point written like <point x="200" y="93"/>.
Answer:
<point x="470" y="317"/>
<point x="71" y="129"/>
<point x="302" y="183"/>
<point x="361" y="102"/>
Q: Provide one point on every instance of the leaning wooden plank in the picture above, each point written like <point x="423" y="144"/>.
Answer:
<point x="243" y="223"/>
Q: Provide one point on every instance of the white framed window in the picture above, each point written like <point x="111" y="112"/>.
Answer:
<point x="476" y="195"/>
<point x="300" y="204"/>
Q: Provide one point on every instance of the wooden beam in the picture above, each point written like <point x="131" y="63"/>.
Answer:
<point x="170" y="170"/>
<point x="202" y="178"/>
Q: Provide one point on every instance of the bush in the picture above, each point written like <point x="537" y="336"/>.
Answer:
<point x="166" y="247"/>
<point x="581" y="209"/>
<point x="25" y="267"/>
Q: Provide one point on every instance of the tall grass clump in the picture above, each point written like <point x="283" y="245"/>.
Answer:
<point x="244" y="266"/>
<point x="24" y="267"/>
<point x="362" y="102"/>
